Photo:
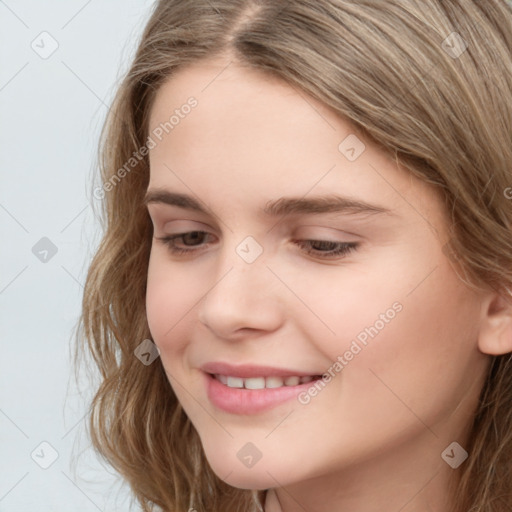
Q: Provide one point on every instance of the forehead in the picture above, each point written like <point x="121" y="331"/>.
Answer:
<point x="229" y="96"/>
<point x="243" y="120"/>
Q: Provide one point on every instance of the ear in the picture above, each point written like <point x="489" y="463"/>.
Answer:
<point x="495" y="335"/>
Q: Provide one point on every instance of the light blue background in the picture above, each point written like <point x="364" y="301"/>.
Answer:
<point x="51" y="112"/>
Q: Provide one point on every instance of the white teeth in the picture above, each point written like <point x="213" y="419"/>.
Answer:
<point x="291" y="381"/>
<point x="255" y="383"/>
<point x="262" y="382"/>
<point x="235" y="382"/>
<point x="273" y="382"/>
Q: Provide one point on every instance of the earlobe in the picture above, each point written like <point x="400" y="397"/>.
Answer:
<point x="495" y="335"/>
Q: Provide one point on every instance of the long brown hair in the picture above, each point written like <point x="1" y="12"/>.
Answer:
<point x="429" y="81"/>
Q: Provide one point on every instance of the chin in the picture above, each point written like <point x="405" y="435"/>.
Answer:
<point x="262" y="475"/>
<point x="251" y="481"/>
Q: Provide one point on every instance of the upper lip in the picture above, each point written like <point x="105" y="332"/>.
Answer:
<point x="250" y="370"/>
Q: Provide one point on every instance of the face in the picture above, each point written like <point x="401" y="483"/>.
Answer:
<point x="345" y="308"/>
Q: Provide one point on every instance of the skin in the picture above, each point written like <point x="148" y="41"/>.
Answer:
<point x="372" y="439"/>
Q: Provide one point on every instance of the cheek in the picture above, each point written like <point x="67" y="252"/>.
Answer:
<point x="425" y="359"/>
<point x="170" y="297"/>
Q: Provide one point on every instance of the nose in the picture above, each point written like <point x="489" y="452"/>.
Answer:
<point x="242" y="298"/>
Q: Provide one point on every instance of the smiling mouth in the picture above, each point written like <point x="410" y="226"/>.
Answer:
<point x="263" y="382"/>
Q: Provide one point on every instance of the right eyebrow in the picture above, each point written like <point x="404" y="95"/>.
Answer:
<point x="161" y="196"/>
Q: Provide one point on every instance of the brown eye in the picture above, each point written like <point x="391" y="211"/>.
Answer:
<point x="327" y="248"/>
<point x="189" y="239"/>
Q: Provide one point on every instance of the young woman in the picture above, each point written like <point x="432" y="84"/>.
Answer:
<point x="302" y="298"/>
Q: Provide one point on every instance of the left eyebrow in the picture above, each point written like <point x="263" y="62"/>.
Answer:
<point x="279" y="207"/>
<point x="322" y="204"/>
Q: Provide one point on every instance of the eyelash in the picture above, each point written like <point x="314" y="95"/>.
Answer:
<point x="343" y="248"/>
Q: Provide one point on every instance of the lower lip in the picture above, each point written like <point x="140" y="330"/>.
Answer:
<point x="250" y="401"/>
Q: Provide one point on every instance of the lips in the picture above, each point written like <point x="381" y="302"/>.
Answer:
<point x="250" y="389"/>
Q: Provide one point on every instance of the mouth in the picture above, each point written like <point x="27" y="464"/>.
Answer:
<point x="243" y="394"/>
